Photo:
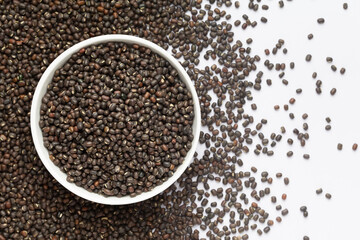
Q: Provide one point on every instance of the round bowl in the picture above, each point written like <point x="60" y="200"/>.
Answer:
<point x="38" y="137"/>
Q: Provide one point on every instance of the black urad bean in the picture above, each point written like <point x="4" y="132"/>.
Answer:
<point x="319" y="191"/>
<point x="354" y="146"/>
<point x="286" y="181"/>
<point x="339" y="146"/>
<point x="329" y="59"/>
<point x="321" y="20"/>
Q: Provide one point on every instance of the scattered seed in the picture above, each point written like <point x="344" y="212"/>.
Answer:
<point x="286" y="181"/>
<point x="354" y="146"/>
<point x="329" y="59"/>
<point x="308" y="57"/>
<point x="321" y="20"/>
<point x="284" y="212"/>
<point x="333" y="91"/>
<point x="339" y="146"/>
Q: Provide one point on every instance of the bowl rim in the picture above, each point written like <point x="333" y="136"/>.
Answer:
<point x="38" y="137"/>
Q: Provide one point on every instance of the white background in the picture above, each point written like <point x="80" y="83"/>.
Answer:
<point x="337" y="172"/>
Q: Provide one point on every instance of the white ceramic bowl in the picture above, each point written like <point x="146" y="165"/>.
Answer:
<point x="38" y="137"/>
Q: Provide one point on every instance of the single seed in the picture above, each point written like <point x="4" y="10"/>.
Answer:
<point x="310" y="36"/>
<point x="308" y="57"/>
<point x="284" y="212"/>
<point x="286" y="181"/>
<point x="303" y="209"/>
<point x="319" y="191"/>
<point x="328" y="127"/>
<point x="333" y="91"/>
<point x="354" y="146"/>
<point x="321" y="20"/>
<point x="328" y="195"/>
<point x="345" y="6"/>
<point x="306" y="156"/>
<point x="339" y="146"/>
<point x="342" y="70"/>
<point x="306" y="238"/>
<point x="329" y="59"/>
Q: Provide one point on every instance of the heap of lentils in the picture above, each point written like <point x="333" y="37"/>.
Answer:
<point x="117" y="119"/>
<point x="33" y="205"/>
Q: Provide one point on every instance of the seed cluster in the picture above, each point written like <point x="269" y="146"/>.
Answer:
<point x="117" y="119"/>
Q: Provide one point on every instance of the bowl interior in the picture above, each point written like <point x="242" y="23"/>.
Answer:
<point x="38" y="137"/>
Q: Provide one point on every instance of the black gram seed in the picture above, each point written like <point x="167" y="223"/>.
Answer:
<point x="319" y="191"/>
<point x="286" y="181"/>
<point x="333" y="91"/>
<point x="285" y="212"/>
<point x="339" y="146"/>
<point x="354" y="146"/>
<point x="303" y="208"/>
<point x="321" y="20"/>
